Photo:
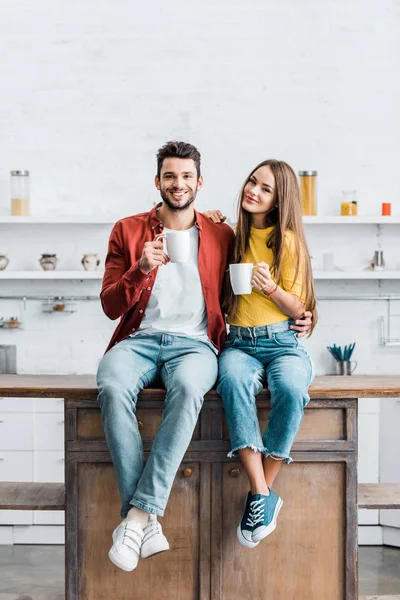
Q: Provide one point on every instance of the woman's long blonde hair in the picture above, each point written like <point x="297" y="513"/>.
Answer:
<point x="286" y="215"/>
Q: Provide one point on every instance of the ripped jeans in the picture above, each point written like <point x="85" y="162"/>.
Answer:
<point x="251" y="356"/>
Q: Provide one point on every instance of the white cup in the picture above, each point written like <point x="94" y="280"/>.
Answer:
<point x="328" y="261"/>
<point x="178" y="245"/>
<point x="241" y="275"/>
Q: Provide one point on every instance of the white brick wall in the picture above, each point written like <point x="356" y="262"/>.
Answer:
<point x="90" y="91"/>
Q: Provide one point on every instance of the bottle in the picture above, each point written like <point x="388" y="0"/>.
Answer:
<point x="308" y="192"/>
<point x="19" y="183"/>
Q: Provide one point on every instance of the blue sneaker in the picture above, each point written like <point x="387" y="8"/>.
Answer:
<point x="263" y="514"/>
<point x="246" y="525"/>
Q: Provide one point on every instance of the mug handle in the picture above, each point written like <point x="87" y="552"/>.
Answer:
<point x="355" y="366"/>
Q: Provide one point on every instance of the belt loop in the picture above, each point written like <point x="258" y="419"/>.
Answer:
<point x="252" y="336"/>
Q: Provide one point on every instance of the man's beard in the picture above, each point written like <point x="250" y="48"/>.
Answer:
<point x="191" y="199"/>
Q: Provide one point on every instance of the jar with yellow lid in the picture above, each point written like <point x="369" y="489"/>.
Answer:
<point x="308" y="192"/>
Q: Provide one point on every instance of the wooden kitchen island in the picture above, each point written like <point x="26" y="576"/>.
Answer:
<point x="312" y="555"/>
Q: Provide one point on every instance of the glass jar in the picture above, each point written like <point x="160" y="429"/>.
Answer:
<point x="348" y="206"/>
<point x="19" y="193"/>
<point x="308" y="192"/>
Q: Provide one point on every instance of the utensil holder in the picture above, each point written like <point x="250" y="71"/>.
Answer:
<point x="346" y="367"/>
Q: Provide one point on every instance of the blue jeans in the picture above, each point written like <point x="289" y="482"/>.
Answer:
<point x="251" y="355"/>
<point x="188" y="369"/>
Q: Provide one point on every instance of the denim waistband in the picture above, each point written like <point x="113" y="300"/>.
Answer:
<point x="263" y="331"/>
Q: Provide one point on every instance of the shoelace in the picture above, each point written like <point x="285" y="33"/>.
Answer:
<point x="256" y="513"/>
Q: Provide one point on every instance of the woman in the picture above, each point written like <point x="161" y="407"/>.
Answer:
<point x="261" y="343"/>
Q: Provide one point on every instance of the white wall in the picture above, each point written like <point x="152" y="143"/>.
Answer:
<point x="91" y="90"/>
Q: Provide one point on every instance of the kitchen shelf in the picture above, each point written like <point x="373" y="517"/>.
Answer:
<point x="359" y="220"/>
<point x="109" y="220"/>
<point x="50" y="275"/>
<point x="366" y="274"/>
<point x="59" y="306"/>
<point x="5" y="325"/>
<point x="58" y="220"/>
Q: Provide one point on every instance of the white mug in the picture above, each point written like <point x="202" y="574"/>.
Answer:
<point x="241" y="274"/>
<point x="178" y="245"/>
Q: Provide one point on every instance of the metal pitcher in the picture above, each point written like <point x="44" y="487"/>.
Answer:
<point x="346" y="367"/>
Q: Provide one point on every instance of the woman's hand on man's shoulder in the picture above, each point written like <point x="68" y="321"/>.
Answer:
<point x="215" y="216"/>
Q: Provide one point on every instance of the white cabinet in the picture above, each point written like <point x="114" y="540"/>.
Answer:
<point x="16" y="431"/>
<point x="32" y="449"/>
<point x="49" y="431"/>
<point x="49" y="467"/>
<point x="16" y="405"/>
<point x="368" y="455"/>
<point x="390" y="464"/>
<point x="48" y="405"/>
<point x="16" y="466"/>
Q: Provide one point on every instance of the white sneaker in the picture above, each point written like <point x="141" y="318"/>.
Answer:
<point x="127" y="541"/>
<point x="154" y="541"/>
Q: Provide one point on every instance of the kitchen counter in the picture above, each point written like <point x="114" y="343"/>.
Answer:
<point x="312" y="554"/>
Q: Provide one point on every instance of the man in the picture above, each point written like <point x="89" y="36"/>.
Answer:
<point x="171" y="331"/>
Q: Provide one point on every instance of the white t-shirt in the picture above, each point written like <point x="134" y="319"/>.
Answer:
<point x="176" y="304"/>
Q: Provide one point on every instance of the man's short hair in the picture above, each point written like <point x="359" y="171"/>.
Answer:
<point x="178" y="150"/>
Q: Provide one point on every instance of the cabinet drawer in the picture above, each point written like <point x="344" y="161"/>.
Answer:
<point x="16" y="517"/>
<point x="48" y="517"/>
<point x="49" y="466"/>
<point x="16" y="405"/>
<point x="89" y="426"/>
<point x="319" y="424"/>
<point x="48" y="404"/>
<point x="16" y="466"/>
<point x="16" y="431"/>
<point x="49" y="431"/>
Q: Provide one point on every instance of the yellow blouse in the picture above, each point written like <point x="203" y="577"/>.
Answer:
<point x="256" y="309"/>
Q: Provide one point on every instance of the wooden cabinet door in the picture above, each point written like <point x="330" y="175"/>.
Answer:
<point x="305" y="557"/>
<point x="182" y="573"/>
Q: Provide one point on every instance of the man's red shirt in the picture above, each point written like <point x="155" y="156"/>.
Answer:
<point x="126" y="290"/>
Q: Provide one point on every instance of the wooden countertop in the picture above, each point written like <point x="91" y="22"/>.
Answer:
<point x="84" y="386"/>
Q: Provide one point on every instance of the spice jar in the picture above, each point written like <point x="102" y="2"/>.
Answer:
<point x="19" y="183"/>
<point x="308" y="192"/>
<point x="13" y="322"/>
<point x="348" y="206"/>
